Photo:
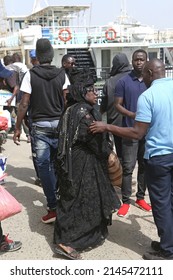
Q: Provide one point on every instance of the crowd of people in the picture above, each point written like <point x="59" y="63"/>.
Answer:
<point x="71" y="145"/>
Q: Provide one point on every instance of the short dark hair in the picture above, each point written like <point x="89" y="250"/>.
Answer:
<point x="44" y="51"/>
<point x="140" y="51"/>
<point x="7" y="60"/>
<point x="66" y="57"/>
<point x="16" y="57"/>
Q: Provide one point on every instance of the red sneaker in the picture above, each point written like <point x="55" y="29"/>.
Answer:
<point x="50" y="217"/>
<point x="124" y="209"/>
<point x="142" y="204"/>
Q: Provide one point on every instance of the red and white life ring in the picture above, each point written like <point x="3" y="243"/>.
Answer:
<point x="65" y="34"/>
<point x="110" y="34"/>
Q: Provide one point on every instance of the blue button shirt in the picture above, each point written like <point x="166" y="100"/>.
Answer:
<point x="129" y="88"/>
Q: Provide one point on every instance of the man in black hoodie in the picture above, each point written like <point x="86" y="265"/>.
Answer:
<point x="44" y="88"/>
<point x="120" y="67"/>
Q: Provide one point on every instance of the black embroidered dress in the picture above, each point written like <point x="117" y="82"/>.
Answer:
<point x="86" y="196"/>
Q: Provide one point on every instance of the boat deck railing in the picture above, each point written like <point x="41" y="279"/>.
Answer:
<point x="101" y="35"/>
<point x="86" y="36"/>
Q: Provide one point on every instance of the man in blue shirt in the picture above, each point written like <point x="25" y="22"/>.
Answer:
<point x="128" y="90"/>
<point x="154" y="118"/>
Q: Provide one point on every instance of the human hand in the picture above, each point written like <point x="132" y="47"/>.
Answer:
<point x="97" y="127"/>
<point x="9" y="101"/>
<point x="16" y="136"/>
<point x="133" y="115"/>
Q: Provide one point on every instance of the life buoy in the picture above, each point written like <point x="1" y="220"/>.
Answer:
<point x="67" y="34"/>
<point x="112" y="32"/>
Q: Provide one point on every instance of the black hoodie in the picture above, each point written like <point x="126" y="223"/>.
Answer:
<point x="46" y="101"/>
<point x="120" y="68"/>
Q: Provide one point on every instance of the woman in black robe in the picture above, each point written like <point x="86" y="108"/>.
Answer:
<point x="86" y="197"/>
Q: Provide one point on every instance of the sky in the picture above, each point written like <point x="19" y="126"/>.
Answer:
<point x="150" y="12"/>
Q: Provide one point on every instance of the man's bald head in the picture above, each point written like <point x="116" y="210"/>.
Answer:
<point x="153" y="70"/>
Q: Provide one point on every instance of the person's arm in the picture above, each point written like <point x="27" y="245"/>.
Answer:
<point x="120" y="90"/>
<point x="138" y="131"/>
<point x="14" y="93"/>
<point x="119" y="106"/>
<point x="23" y="107"/>
<point x="95" y="143"/>
<point x="12" y="82"/>
<point x="65" y="92"/>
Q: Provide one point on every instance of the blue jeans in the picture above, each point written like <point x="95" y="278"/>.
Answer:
<point x="132" y="151"/>
<point x="159" y="175"/>
<point x="45" y="147"/>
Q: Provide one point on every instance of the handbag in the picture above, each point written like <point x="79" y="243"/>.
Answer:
<point x="114" y="169"/>
<point x="9" y="206"/>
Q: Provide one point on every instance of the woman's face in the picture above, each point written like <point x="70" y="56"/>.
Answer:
<point x="91" y="95"/>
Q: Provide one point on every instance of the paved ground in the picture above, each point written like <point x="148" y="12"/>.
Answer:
<point x="128" y="237"/>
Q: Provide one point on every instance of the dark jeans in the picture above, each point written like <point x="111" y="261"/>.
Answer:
<point x="118" y="146"/>
<point x="46" y="143"/>
<point x="159" y="175"/>
<point x="132" y="151"/>
<point x="34" y="158"/>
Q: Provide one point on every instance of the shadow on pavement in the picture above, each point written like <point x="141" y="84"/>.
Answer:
<point x="21" y="173"/>
<point x="128" y="233"/>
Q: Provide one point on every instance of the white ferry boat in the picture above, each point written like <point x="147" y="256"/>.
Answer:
<point x="69" y="31"/>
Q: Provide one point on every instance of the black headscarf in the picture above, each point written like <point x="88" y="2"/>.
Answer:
<point x="77" y="108"/>
<point x="80" y="80"/>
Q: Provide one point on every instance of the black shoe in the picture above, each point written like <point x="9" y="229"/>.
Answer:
<point x="155" y="245"/>
<point x="156" y="256"/>
<point x="38" y="182"/>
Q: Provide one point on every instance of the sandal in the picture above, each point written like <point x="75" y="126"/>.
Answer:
<point x="72" y="255"/>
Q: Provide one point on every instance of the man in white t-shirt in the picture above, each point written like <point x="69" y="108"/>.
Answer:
<point x="44" y="88"/>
